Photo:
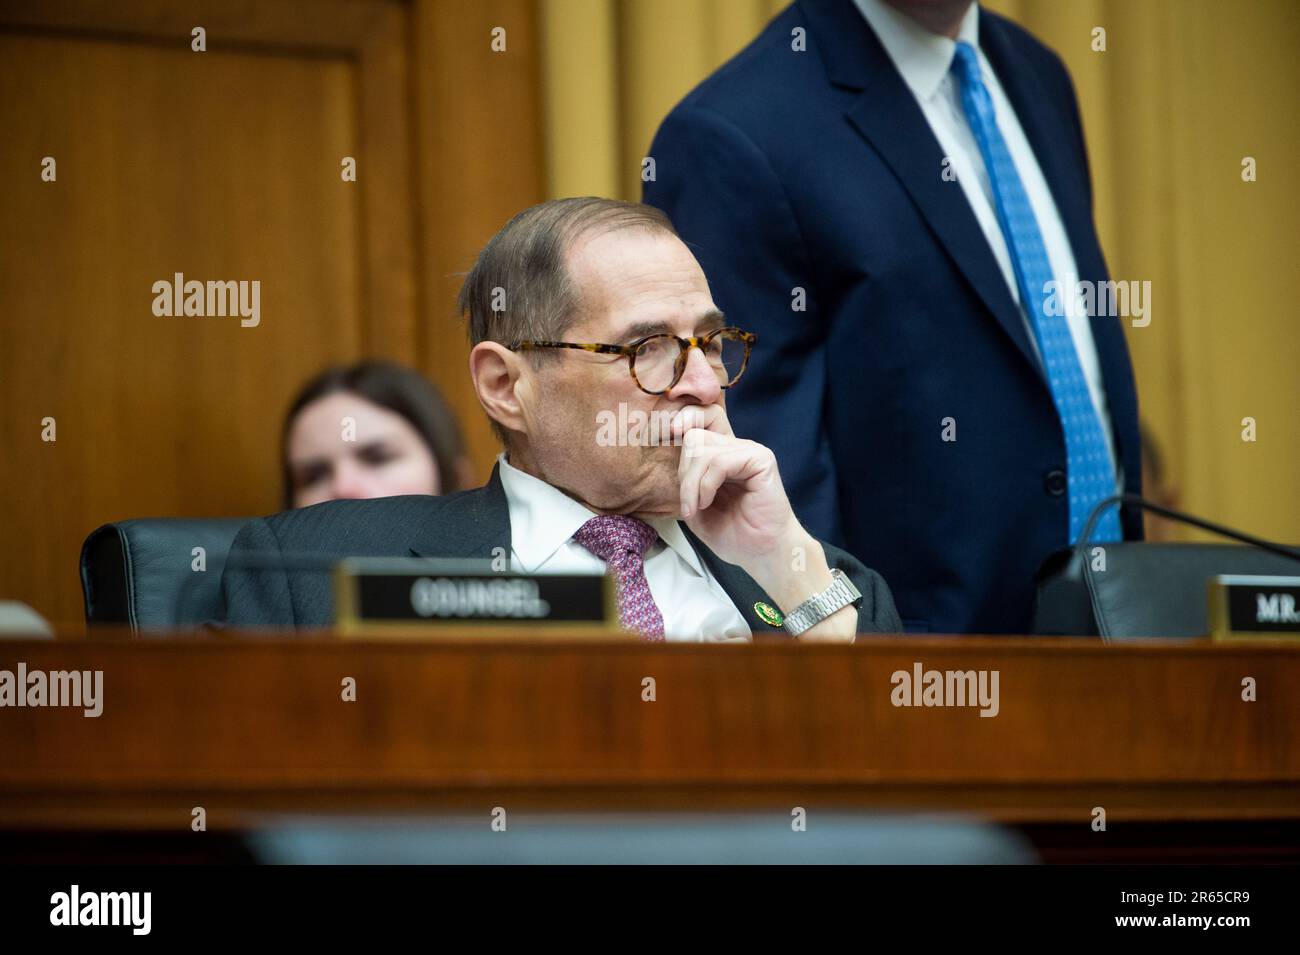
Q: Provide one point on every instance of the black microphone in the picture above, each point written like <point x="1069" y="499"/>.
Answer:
<point x="1137" y="500"/>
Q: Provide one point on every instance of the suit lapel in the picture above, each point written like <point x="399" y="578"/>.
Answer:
<point x="890" y="120"/>
<point x="469" y="525"/>
<point x="740" y="587"/>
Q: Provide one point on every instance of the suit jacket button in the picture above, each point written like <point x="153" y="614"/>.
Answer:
<point x="1054" y="482"/>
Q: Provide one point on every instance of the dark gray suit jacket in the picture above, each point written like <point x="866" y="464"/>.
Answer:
<point x="277" y="572"/>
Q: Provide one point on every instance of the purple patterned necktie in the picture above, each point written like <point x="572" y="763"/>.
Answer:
<point x="621" y="542"/>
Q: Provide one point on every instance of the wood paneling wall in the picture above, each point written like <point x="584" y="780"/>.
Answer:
<point x="225" y="165"/>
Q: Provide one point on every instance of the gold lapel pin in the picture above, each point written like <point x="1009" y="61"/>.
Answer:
<point x="769" y="614"/>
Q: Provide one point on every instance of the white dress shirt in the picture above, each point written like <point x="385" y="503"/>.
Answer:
<point x="543" y="520"/>
<point x="924" y="59"/>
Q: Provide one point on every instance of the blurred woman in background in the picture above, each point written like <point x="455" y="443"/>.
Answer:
<point x="373" y="429"/>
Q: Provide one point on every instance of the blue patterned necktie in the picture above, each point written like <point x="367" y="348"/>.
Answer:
<point x="1088" y="465"/>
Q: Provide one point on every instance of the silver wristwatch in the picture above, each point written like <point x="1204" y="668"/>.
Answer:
<point x="817" y="608"/>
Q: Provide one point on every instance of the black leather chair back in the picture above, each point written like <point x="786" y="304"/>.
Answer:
<point x="1146" y="590"/>
<point x="146" y="573"/>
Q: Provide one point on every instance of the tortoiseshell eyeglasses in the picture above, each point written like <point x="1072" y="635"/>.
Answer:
<point x="657" y="362"/>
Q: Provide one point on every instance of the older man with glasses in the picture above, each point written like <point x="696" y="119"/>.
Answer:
<point x="579" y="310"/>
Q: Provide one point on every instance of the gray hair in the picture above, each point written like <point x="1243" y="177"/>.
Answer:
<point x="520" y="287"/>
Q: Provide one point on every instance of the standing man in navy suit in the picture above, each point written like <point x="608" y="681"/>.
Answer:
<point x="895" y="196"/>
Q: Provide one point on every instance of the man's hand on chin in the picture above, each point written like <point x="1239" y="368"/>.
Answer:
<point x="733" y="500"/>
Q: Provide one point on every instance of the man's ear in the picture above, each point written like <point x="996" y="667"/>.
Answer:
<point x="496" y="372"/>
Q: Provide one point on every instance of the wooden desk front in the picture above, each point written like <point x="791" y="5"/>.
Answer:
<point x="255" y="727"/>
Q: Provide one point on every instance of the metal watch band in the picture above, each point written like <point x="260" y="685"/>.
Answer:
<point x="817" y="608"/>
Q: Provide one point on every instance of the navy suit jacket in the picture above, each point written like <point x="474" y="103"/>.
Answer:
<point x="277" y="572"/>
<point x="817" y="171"/>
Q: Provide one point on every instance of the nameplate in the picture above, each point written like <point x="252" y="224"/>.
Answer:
<point x="1255" y="608"/>
<point x="419" y="596"/>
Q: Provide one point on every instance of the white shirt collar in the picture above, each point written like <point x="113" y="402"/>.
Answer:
<point x="921" y="57"/>
<point x="543" y="519"/>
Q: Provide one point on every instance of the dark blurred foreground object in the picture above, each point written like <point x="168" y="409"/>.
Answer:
<point x="659" y="839"/>
<point x="1137" y="589"/>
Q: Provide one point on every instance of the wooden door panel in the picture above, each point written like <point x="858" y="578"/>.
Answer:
<point x="221" y="166"/>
